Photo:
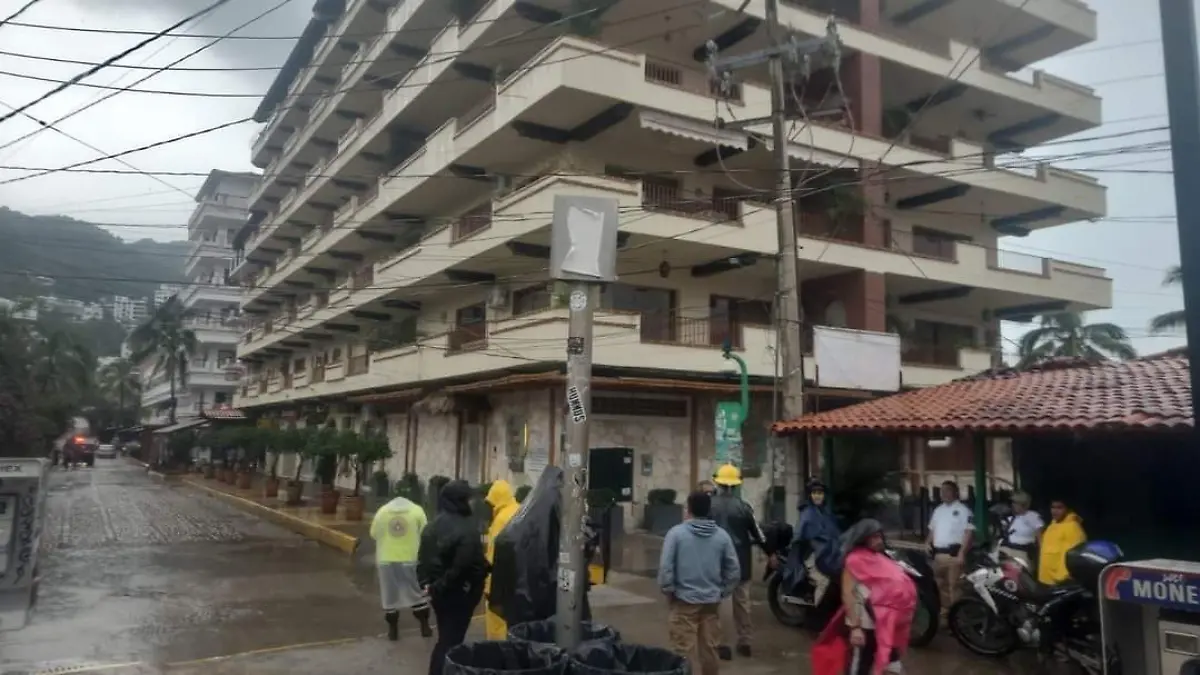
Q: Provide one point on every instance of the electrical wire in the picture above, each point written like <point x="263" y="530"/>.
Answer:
<point x="20" y="10"/>
<point x="109" y="61"/>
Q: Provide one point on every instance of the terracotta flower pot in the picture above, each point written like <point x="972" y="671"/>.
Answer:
<point x="329" y="500"/>
<point x="245" y="480"/>
<point x="352" y="507"/>
<point x="271" y="487"/>
<point x="295" y="492"/>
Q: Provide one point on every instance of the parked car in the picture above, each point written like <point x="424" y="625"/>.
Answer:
<point x="80" y="450"/>
<point x="106" y="451"/>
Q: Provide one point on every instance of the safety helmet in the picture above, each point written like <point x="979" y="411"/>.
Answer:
<point x="728" y="475"/>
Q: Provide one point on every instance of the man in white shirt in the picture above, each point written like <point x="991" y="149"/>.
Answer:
<point x="950" y="530"/>
<point x="1023" y="530"/>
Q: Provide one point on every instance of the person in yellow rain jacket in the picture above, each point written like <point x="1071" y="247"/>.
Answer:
<point x="396" y="530"/>
<point x="1064" y="533"/>
<point x="504" y="506"/>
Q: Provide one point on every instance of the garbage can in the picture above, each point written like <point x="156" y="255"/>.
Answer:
<point x="599" y="658"/>
<point x="505" y="658"/>
<point x="546" y="632"/>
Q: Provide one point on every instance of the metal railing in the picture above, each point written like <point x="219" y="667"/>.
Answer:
<point x="358" y="365"/>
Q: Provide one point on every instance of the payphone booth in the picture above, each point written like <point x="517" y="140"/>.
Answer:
<point x="22" y="509"/>
<point x="1150" y="615"/>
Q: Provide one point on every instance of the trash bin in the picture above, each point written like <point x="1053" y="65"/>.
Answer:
<point x="505" y="658"/>
<point x="599" y="658"/>
<point x="545" y="632"/>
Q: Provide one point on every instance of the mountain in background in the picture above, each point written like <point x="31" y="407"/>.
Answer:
<point x="86" y="261"/>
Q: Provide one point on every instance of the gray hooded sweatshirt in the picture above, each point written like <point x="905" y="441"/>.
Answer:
<point x="699" y="565"/>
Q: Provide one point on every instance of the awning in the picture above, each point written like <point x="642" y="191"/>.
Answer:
<point x="182" y="425"/>
<point x="223" y="414"/>
<point x="693" y="130"/>
<point x="802" y="152"/>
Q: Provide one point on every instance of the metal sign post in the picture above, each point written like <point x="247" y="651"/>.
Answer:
<point x="583" y="252"/>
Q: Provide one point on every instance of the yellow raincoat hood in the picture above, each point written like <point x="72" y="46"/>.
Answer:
<point x="504" y="506"/>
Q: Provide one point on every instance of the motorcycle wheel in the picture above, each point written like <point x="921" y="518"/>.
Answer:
<point x="786" y="613"/>
<point x="925" y="621"/>
<point x="968" y="620"/>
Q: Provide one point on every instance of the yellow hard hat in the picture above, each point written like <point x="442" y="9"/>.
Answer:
<point x="728" y="475"/>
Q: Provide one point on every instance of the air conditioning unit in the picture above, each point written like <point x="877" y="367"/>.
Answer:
<point x="500" y="297"/>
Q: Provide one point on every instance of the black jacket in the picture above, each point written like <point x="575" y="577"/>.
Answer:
<point x="736" y="517"/>
<point x="451" y="558"/>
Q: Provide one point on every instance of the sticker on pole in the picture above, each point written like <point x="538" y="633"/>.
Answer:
<point x="577" y="301"/>
<point x="575" y="346"/>
<point x="575" y="403"/>
<point x="566" y="579"/>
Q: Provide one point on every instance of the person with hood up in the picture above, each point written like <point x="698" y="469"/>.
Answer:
<point x="816" y="539"/>
<point x="698" y="569"/>
<point x="736" y="517"/>
<point x="1064" y="533"/>
<point x="504" y="507"/>
<point x="869" y="633"/>
<point x="452" y="567"/>
<point x="397" y="529"/>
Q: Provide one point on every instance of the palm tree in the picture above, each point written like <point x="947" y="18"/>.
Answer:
<point x="165" y="338"/>
<point x="1065" y="334"/>
<point x="1174" y="320"/>
<point x="121" y="382"/>
<point x="61" y="365"/>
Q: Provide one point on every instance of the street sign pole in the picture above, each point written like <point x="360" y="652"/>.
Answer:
<point x="583" y="252"/>
<point x="731" y="417"/>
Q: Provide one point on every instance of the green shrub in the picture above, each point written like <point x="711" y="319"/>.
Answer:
<point x="661" y="496"/>
<point x="523" y="492"/>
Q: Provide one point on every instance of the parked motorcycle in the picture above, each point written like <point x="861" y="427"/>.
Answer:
<point x="1007" y="609"/>
<point x="794" y="606"/>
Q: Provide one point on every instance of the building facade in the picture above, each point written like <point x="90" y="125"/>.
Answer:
<point x="165" y="292"/>
<point x="394" y="264"/>
<point x="126" y="310"/>
<point x="209" y="300"/>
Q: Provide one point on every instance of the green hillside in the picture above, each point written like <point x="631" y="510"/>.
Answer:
<point x="85" y="261"/>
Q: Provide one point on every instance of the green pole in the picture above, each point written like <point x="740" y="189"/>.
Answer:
<point x="744" y="398"/>
<point x="982" y="526"/>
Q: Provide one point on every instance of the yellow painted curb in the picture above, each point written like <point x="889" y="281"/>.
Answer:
<point x="319" y="533"/>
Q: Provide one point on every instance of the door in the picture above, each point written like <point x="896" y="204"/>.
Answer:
<point x="611" y="469"/>
<point x="471" y="449"/>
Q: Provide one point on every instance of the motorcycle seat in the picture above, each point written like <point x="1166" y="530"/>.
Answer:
<point x="1041" y="592"/>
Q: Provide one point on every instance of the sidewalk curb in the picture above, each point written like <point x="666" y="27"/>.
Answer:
<point x="327" y="536"/>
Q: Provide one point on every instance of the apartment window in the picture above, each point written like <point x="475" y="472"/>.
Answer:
<point x="656" y="306"/>
<point x="335" y="356"/>
<point x="470" y="326"/>
<point x="934" y="243"/>
<point x="394" y="334"/>
<point x="937" y="343"/>
<point x="225" y="358"/>
<point x="660" y="192"/>
<point x="728" y="315"/>
<point x="531" y="299"/>
<point x="474" y="221"/>
<point x="299" y="365"/>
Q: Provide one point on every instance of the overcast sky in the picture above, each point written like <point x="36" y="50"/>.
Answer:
<point x="1135" y="244"/>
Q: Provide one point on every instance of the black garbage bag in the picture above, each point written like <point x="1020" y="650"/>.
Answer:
<point x="600" y="658"/>
<point x="545" y="632"/>
<point x="488" y="658"/>
<point x="524" y="568"/>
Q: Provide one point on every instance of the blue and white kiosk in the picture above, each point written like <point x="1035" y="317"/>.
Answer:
<point x="1150" y="614"/>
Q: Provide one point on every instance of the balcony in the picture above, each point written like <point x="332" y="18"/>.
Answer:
<point x="629" y="340"/>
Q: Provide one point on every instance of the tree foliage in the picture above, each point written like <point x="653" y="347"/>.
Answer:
<point x="1174" y="320"/>
<point x="1065" y="334"/>
<point x="166" y="339"/>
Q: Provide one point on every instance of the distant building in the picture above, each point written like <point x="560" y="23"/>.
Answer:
<point x="24" y="310"/>
<point x="165" y="292"/>
<point x="93" y="311"/>
<point x="127" y="310"/>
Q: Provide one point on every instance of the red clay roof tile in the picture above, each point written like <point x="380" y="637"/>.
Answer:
<point x="1144" y="394"/>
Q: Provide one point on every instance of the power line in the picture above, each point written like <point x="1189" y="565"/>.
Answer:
<point x="109" y="61"/>
<point x="20" y="10"/>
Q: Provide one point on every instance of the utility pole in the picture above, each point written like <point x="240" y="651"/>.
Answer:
<point x="583" y="253"/>
<point x="788" y="308"/>
<point x="1183" y="105"/>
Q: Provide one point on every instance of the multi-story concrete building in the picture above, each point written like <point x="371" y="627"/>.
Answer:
<point x="208" y="298"/>
<point x="395" y="260"/>
<point x="164" y="292"/>
<point x="127" y="310"/>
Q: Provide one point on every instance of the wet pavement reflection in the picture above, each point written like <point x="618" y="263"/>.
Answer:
<point x="145" y="577"/>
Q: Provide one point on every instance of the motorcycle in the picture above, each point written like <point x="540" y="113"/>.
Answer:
<point x="1007" y="609"/>
<point x="794" y="607"/>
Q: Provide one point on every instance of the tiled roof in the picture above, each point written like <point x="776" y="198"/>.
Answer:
<point x="223" y="414"/>
<point x="1147" y="394"/>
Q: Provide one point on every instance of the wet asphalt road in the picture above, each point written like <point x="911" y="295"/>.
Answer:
<point x="143" y="577"/>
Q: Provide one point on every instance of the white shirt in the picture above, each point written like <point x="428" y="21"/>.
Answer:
<point x="950" y="524"/>
<point x="1023" y="530"/>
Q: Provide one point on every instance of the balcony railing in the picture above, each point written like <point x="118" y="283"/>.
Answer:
<point x="662" y="196"/>
<point x="363" y="277"/>
<point x="691" y="331"/>
<point x="687" y="79"/>
<point x="358" y="365"/>
<point x="472" y="222"/>
<point x="318" y="374"/>
<point x="468" y="337"/>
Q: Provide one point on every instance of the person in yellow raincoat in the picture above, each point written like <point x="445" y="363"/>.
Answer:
<point x="504" y="506"/>
<point x="1064" y="533"/>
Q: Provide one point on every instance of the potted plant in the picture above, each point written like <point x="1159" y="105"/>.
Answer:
<point x="281" y="442"/>
<point x="409" y="486"/>
<point x="294" y="495"/>
<point x="381" y="484"/>
<point x="661" y="512"/>
<point x="523" y="492"/>
<point x="323" y="448"/>
<point x="362" y="452"/>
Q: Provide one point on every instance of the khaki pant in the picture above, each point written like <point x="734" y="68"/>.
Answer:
<point x="736" y="627"/>
<point x="694" y="631"/>
<point x="947" y="572"/>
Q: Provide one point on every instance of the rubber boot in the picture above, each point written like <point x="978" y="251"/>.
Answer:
<point x="393" y="622"/>
<point x="422" y="616"/>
